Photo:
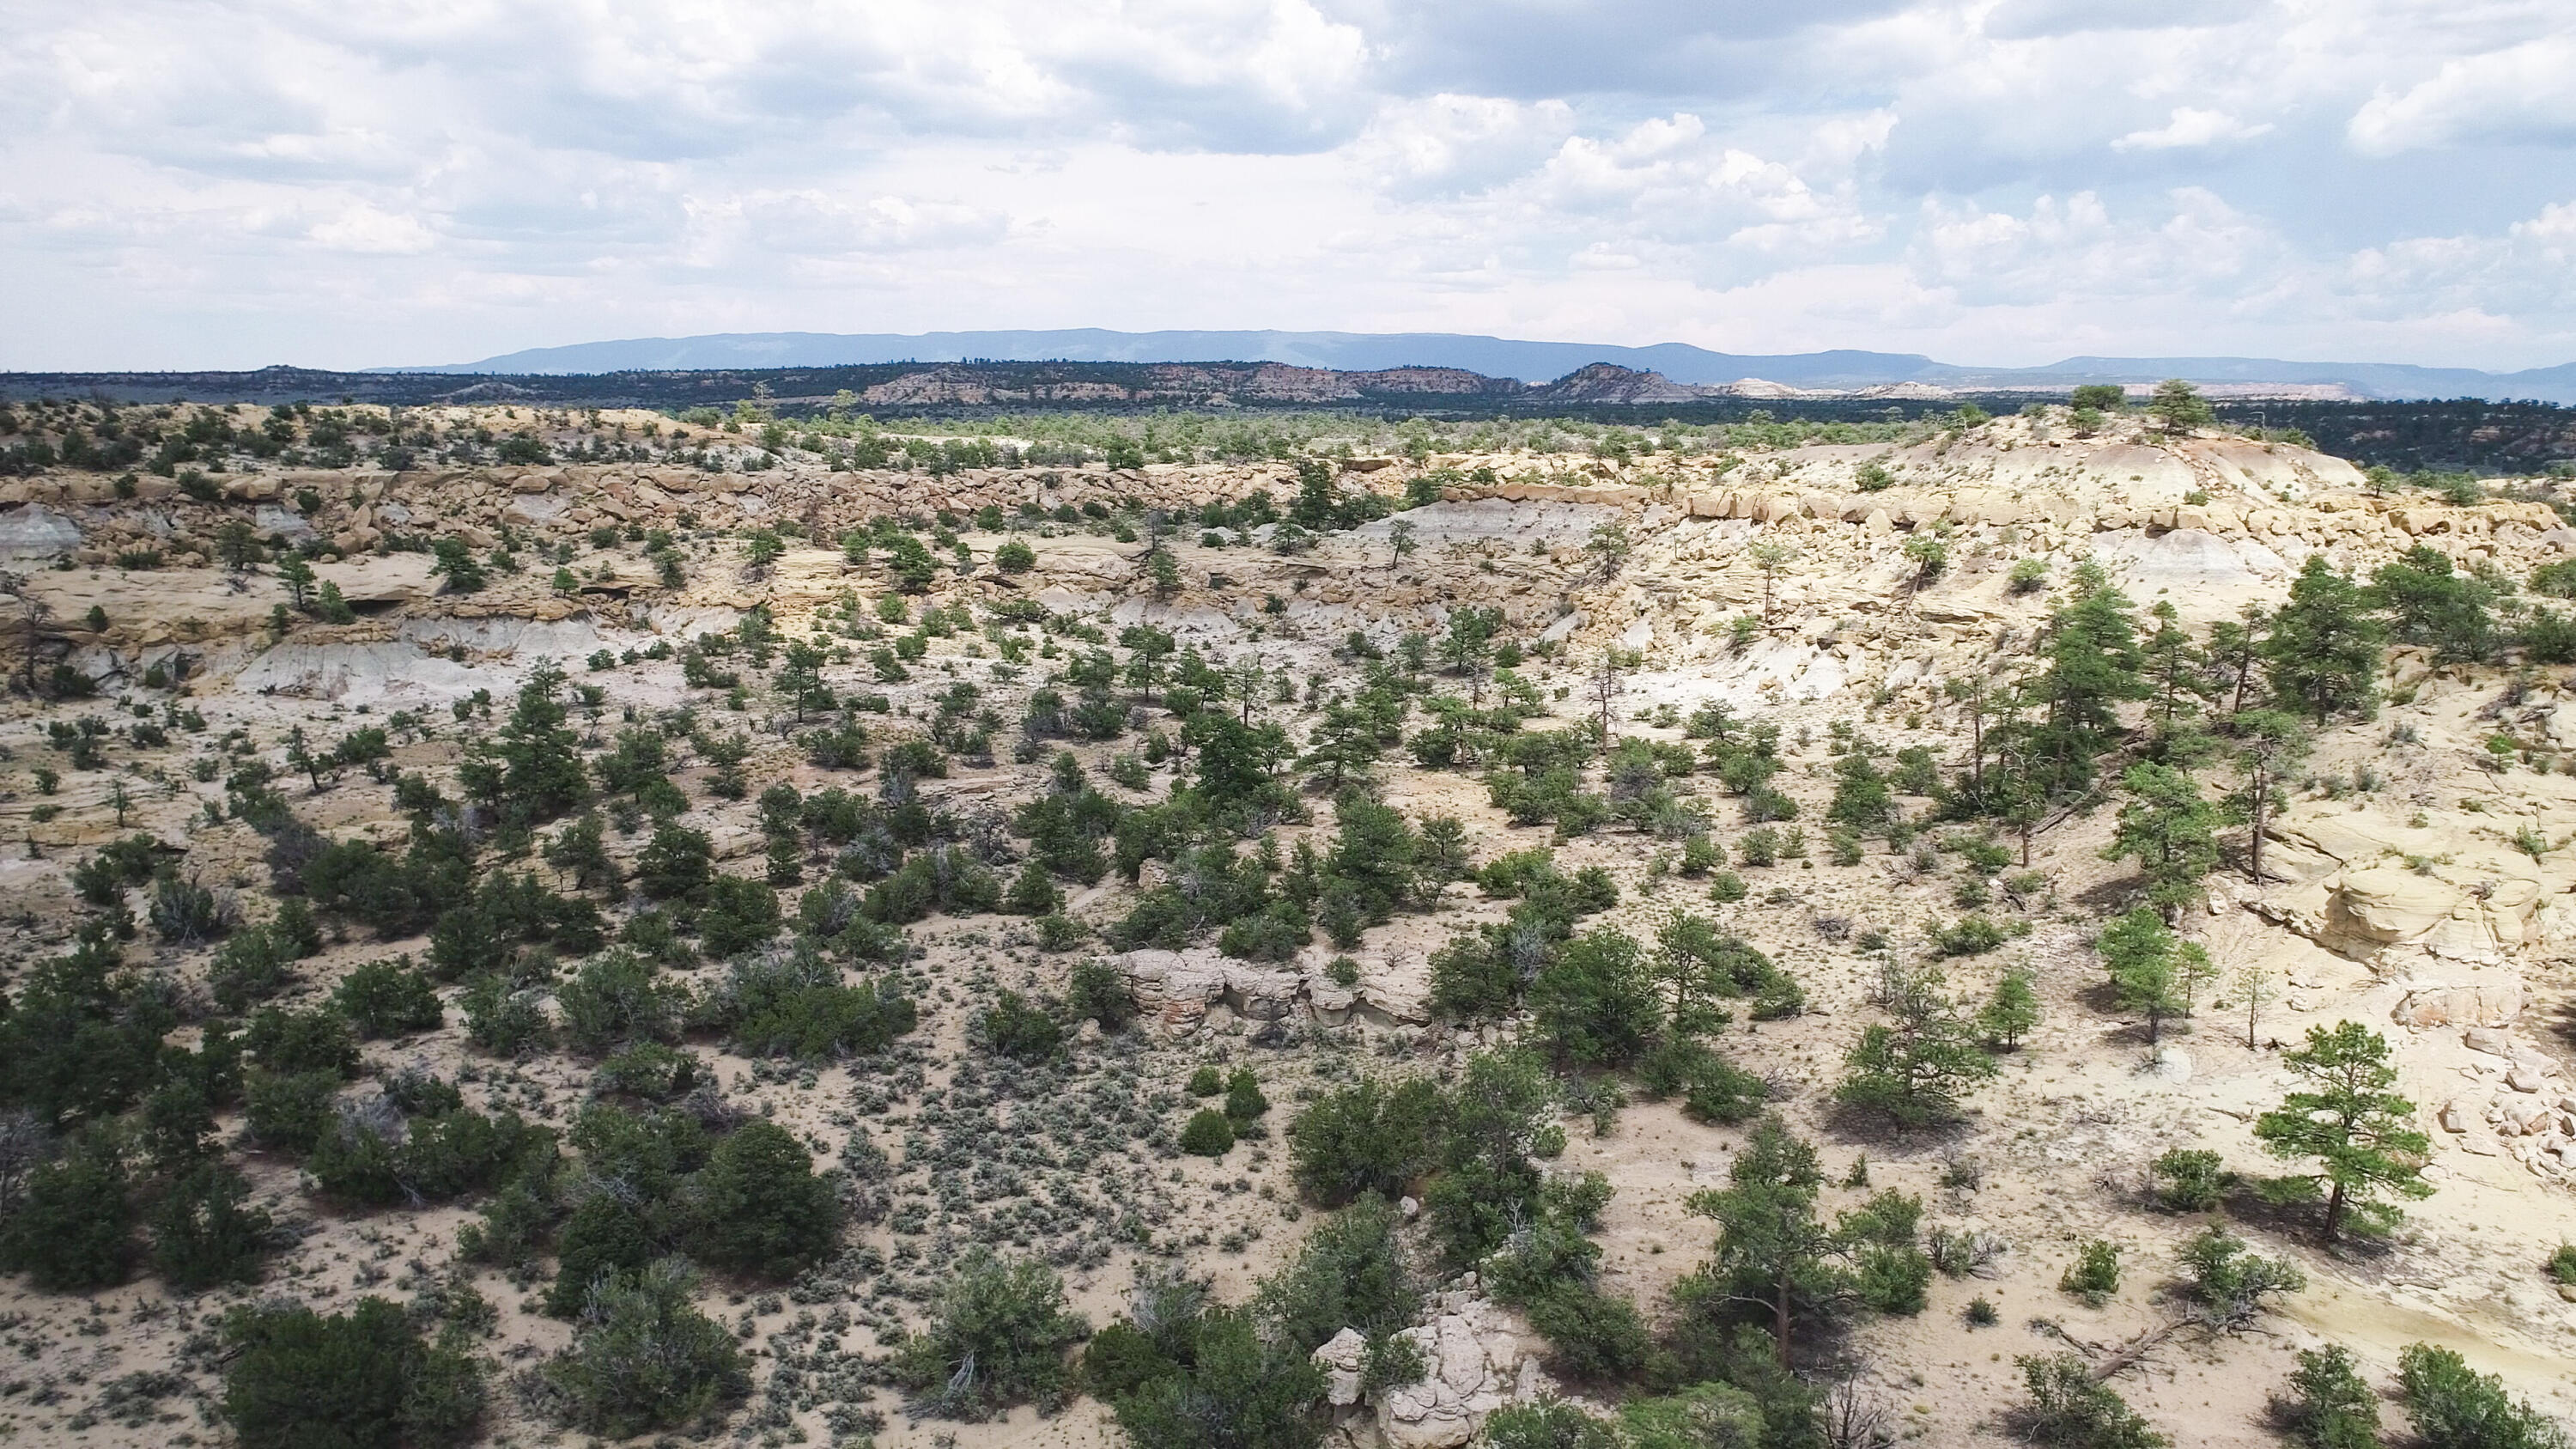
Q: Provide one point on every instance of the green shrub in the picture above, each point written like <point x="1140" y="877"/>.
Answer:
<point x="1596" y="1336"/>
<point x="2231" y="1286"/>
<point x="1549" y="1424"/>
<point x="2456" y="1407"/>
<point x="1394" y="1361"/>
<point x="1352" y="1271"/>
<point x="288" y="1111"/>
<point x="74" y="1227"/>
<point x="1726" y="888"/>
<point x="1033" y="892"/>
<point x="1207" y="1134"/>
<point x="605" y="1241"/>
<point x="372" y="1155"/>
<point x="503" y="1019"/>
<point x="1098" y="991"/>
<point x="202" y="1232"/>
<point x="1229" y="1390"/>
<point x="2068" y="1408"/>
<point x="1015" y="1029"/>
<point x="739" y="914"/>
<point x="1243" y="1100"/>
<point x="1003" y="1322"/>
<point x="2096" y="1273"/>
<point x="1703" y="1416"/>
<point x="360" y="1380"/>
<point x="249" y="969"/>
<point x="1367" y="1137"/>
<point x="1712" y="1089"/>
<point x="1015" y="557"/>
<point x="1060" y="932"/>
<point x="515" y="1223"/>
<point x="388" y="998"/>
<point x="1894" y="1280"/>
<point x="2561" y="1266"/>
<point x="1121" y="1359"/>
<point x="185" y="913"/>
<point x="1207" y="1081"/>
<point x="293" y="1042"/>
<point x="1969" y="936"/>
<point x="760" y="1208"/>
<point x="618" y="998"/>
<point x="2331" y="1405"/>
<point x="676" y="863"/>
<point x="798" y="1007"/>
<point x="643" y="1358"/>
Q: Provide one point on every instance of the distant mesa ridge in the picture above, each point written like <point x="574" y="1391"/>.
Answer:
<point x="1679" y="371"/>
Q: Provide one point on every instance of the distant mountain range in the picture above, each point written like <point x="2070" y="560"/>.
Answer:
<point x="1839" y="371"/>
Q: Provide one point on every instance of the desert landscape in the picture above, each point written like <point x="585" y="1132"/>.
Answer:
<point x="536" y="925"/>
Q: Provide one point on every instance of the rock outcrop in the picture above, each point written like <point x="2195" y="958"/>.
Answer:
<point x="1473" y="1364"/>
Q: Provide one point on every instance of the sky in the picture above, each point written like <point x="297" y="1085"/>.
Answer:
<point x="347" y="183"/>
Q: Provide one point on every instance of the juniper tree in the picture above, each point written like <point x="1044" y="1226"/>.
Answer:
<point x="1773" y="1252"/>
<point x="2430" y="603"/>
<point x="800" y="678"/>
<point x="2011" y="1012"/>
<point x="1771" y="556"/>
<point x="2175" y="668"/>
<point x="1595" y="1002"/>
<point x="2148" y="967"/>
<point x="2093" y="667"/>
<point x="2171" y="832"/>
<point x="1915" y="1070"/>
<point x="542" y="774"/>
<point x="2269" y="744"/>
<point x="2179" y="407"/>
<point x="297" y="576"/>
<point x="2360" y="1133"/>
<point x="2324" y="649"/>
<point x="2234" y="648"/>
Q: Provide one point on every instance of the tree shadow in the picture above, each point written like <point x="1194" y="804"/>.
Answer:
<point x="2114" y="896"/>
<point x="2298" y="1222"/>
<point x="1848" y="1125"/>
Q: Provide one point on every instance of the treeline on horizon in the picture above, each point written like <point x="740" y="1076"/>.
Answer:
<point x="2443" y="436"/>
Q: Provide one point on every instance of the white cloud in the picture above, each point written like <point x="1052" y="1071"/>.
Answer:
<point x="369" y="230"/>
<point x="2521" y="94"/>
<point x="1981" y="179"/>
<point x="1451" y="143"/>
<point x="2191" y="126"/>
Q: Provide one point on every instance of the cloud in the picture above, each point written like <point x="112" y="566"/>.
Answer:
<point x="1448" y="143"/>
<point x="2191" y="127"/>
<point x="2519" y="95"/>
<point x="1980" y="179"/>
<point x="365" y="229"/>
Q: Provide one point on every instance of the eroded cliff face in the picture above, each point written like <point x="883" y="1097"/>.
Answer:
<point x="2419" y="878"/>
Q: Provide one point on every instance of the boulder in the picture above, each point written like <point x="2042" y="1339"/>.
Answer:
<point x="2494" y="1040"/>
<point x="2525" y="1116"/>
<point x="1342" y="1358"/>
<point x="36" y="531"/>
<point x="2389" y="905"/>
<point x="2489" y="1003"/>
<point x="1473" y="1366"/>
<point x="1176" y="988"/>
